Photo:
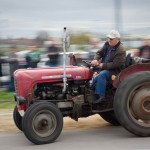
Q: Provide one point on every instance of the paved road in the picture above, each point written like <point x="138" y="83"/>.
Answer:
<point x="104" y="138"/>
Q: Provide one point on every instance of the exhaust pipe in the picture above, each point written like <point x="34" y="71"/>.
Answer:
<point x="65" y="45"/>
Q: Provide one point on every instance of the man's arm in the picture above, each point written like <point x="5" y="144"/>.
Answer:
<point x="99" y="54"/>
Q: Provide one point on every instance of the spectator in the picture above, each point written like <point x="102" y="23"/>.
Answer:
<point x="144" y="51"/>
<point x="1" y="66"/>
<point x="13" y="65"/>
<point x="94" y="47"/>
<point x="53" y="53"/>
<point x="33" y="57"/>
<point x="1" y="69"/>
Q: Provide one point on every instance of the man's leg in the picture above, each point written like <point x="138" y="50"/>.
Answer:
<point x="93" y="84"/>
<point x="102" y="79"/>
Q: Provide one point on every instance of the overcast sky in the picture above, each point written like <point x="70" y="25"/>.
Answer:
<point x="21" y="18"/>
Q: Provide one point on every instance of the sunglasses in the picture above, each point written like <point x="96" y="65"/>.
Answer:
<point x="110" y="39"/>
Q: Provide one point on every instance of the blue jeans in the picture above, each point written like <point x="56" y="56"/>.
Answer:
<point x="100" y="81"/>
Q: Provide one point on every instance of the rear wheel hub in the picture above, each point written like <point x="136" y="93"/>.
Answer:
<point x="141" y="104"/>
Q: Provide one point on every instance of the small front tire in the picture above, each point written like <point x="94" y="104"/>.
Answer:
<point x="17" y="118"/>
<point x="42" y="123"/>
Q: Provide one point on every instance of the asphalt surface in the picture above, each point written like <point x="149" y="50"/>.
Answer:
<point x="103" y="138"/>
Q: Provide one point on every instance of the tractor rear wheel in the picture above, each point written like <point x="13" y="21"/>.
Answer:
<point x="110" y="117"/>
<point x="132" y="103"/>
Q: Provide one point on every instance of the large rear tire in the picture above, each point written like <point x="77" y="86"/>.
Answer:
<point x="17" y="118"/>
<point x="42" y="123"/>
<point x="132" y="103"/>
<point x="110" y="117"/>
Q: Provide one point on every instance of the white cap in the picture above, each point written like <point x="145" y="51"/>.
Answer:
<point x="113" y="34"/>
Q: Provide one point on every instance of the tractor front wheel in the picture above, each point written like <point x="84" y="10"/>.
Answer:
<point x="17" y="118"/>
<point x="42" y="123"/>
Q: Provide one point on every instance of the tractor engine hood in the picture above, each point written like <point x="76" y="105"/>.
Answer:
<point x="27" y="78"/>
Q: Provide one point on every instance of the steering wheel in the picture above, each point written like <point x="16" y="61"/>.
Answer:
<point x="89" y="65"/>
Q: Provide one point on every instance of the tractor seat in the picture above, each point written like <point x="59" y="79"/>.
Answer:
<point x="134" y="60"/>
<point x="145" y="60"/>
<point x="129" y="60"/>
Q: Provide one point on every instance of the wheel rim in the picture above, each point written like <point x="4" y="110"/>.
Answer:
<point x="44" y="123"/>
<point x="139" y="104"/>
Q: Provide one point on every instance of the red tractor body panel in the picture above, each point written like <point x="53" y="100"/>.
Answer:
<point x="29" y="77"/>
<point x="130" y="70"/>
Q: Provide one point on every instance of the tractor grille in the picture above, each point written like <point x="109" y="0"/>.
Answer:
<point x="16" y="85"/>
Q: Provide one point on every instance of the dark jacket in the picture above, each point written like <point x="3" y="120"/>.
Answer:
<point x="32" y="59"/>
<point x="13" y="63"/>
<point x="116" y="61"/>
<point x="145" y="51"/>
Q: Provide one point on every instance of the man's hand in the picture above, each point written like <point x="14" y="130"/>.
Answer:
<point x="101" y="65"/>
<point x="95" y="62"/>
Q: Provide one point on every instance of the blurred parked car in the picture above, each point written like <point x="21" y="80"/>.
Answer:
<point x="4" y="81"/>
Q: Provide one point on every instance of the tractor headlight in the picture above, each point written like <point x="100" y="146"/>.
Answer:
<point x="20" y="100"/>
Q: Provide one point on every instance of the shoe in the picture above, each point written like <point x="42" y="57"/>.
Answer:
<point x="92" y="97"/>
<point x="99" y="100"/>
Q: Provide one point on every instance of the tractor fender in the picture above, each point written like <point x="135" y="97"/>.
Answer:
<point x="129" y="71"/>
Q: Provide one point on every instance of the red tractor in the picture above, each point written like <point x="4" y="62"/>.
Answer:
<point x="45" y="95"/>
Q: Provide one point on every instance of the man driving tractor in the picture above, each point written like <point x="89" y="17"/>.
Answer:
<point x="111" y="60"/>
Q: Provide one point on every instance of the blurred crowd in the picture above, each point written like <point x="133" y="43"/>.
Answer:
<point x="144" y="50"/>
<point x="31" y="57"/>
<point x="28" y="58"/>
<point x="15" y="62"/>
